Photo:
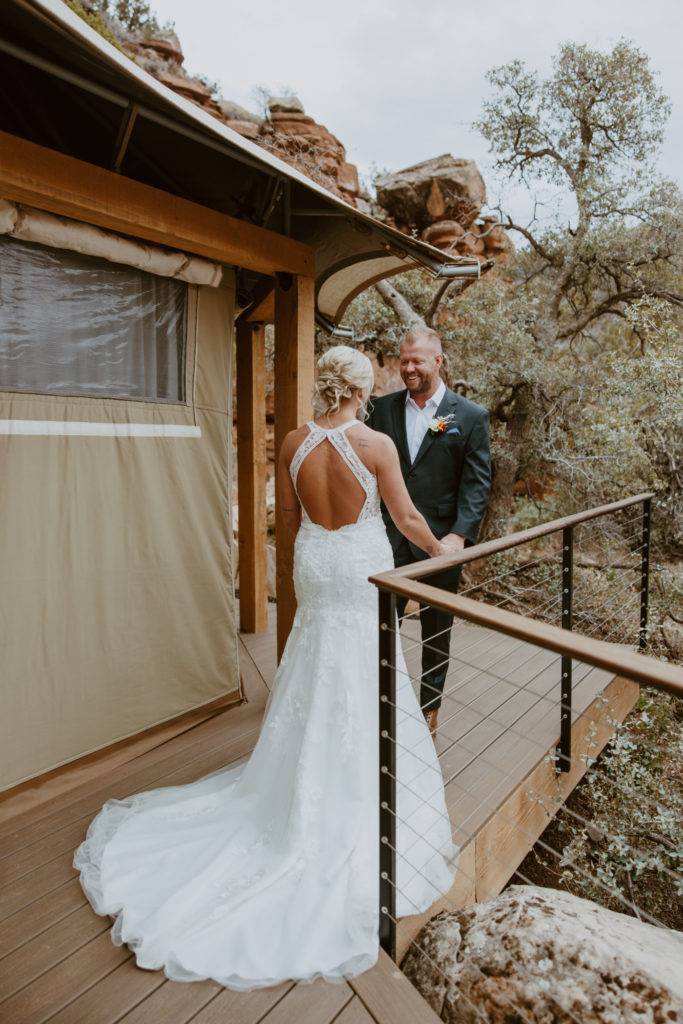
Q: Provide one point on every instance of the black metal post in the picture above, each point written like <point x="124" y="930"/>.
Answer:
<point x="564" y="749"/>
<point x="645" y="574"/>
<point x="387" y="772"/>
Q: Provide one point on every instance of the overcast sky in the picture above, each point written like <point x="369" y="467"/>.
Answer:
<point x="400" y="81"/>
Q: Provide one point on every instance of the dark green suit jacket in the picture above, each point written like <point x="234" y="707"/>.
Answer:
<point x="450" y="479"/>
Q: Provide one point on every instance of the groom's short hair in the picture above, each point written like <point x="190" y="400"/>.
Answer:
<point x="418" y="332"/>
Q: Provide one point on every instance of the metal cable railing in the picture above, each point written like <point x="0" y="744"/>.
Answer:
<point x="513" y="686"/>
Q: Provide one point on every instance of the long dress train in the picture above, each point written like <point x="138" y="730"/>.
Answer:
<point x="268" y="870"/>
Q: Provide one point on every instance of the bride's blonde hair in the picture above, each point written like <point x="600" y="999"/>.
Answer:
<point x="341" y="372"/>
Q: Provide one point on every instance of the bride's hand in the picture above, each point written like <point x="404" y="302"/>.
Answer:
<point x="443" y="549"/>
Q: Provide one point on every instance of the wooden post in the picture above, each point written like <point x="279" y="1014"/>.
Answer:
<point x="294" y="355"/>
<point x="251" y="475"/>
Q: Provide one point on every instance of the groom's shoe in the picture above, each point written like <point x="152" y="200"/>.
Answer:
<point x="430" y="718"/>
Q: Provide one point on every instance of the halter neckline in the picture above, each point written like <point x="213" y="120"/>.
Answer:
<point x="329" y="430"/>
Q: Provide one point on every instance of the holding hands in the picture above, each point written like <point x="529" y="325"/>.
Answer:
<point x="450" y="543"/>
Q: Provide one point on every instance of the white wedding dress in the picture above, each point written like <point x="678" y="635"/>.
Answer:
<point x="268" y="870"/>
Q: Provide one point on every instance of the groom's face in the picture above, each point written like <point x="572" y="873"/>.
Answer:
<point x="420" y="363"/>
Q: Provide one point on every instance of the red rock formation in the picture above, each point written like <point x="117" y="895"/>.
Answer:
<point x="440" y="199"/>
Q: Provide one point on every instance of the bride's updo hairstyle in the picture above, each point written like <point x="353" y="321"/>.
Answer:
<point x="342" y="371"/>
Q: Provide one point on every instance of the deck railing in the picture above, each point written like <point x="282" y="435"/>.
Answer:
<point x="505" y="670"/>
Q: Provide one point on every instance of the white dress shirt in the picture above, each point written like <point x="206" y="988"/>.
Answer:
<point x="417" y="419"/>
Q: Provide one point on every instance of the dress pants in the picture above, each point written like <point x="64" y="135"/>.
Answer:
<point x="435" y="626"/>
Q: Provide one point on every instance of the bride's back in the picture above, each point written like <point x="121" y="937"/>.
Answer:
<point x="329" y="490"/>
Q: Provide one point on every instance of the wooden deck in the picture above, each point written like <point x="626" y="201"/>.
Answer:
<point x="57" y="962"/>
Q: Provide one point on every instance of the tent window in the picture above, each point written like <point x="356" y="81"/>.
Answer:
<point x="79" y="325"/>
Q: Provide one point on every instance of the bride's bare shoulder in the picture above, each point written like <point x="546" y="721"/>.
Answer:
<point x="292" y="440"/>
<point x="372" y="443"/>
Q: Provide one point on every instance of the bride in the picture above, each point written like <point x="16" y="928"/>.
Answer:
<point x="268" y="870"/>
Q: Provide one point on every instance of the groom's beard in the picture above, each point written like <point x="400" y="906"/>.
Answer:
<point x="420" y="385"/>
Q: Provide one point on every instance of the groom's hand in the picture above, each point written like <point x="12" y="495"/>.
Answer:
<point x="453" y="541"/>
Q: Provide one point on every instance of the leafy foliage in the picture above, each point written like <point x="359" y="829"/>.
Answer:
<point x="96" y="21"/>
<point x="634" y="844"/>
<point x="135" y="15"/>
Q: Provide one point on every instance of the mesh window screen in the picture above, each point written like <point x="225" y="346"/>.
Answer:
<point x="79" y="325"/>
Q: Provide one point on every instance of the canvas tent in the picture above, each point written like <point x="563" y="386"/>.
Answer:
<point x="133" y="228"/>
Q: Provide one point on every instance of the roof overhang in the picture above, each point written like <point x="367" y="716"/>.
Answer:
<point x="67" y="88"/>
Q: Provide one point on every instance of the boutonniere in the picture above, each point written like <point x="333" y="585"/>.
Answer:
<point x="442" y="425"/>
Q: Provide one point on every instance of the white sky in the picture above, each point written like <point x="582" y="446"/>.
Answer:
<point x="400" y="81"/>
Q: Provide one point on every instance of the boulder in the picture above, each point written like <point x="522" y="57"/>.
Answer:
<point x="534" y="954"/>
<point x="347" y="178"/>
<point x="248" y="129"/>
<point x="496" y="239"/>
<point x="443" y="233"/>
<point x="291" y="116"/>
<point x="234" y="112"/>
<point x="165" y="43"/>
<point x="192" y="88"/>
<point x="673" y="637"/>
<point x="440" y="189"/>
<point x="285" y="104"/>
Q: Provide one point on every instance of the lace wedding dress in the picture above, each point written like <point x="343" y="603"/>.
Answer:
<point x="268" y="870"/>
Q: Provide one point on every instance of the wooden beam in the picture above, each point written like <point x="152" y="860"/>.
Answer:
<point x="510" y="833"/>
<point x="251" y="475"/>
<point x="294" y="355"/>
<point x="264" y="311"/>
<point x="60" y="184"/>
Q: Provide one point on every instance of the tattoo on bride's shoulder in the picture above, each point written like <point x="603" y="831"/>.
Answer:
<point x="364" y="444"/>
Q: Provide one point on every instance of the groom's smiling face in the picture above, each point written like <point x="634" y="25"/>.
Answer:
<point x="420" y="363"/>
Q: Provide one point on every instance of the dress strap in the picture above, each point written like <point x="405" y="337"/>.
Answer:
<point x="313" y="438"/>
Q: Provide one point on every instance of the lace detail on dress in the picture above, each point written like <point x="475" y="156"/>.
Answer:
<point x="340" y="442"/>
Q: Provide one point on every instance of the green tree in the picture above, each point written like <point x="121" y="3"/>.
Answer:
<point x="558" y="342"/>
<point x="590" y="130"/>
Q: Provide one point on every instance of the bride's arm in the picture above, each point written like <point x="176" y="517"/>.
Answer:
<point x="289" y="503"/>
<point x="411" y="523"/>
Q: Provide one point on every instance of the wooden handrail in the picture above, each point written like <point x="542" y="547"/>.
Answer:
<point x="491" y="547"/>
<point x="643" y="669"/>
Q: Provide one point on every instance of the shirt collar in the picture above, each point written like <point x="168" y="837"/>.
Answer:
<point x="435" y="400"/>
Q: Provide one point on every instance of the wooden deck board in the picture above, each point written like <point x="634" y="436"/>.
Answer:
<point x="57" y="987"/>
<point x="109" y="999"/>
<point x="33" y="919"/>
<point x="235" y="1007"/>
<point x="170" y="1003"/>
<point x="57" y="962"/>
<point x="354" y="1013"/>
<point x="389" y="997"/>
<point x="36" y="884"/>
<point x="49" y="948"/>
<point x="318" y="1003"/>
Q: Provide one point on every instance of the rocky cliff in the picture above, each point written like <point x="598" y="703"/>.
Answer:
<point x="439" y="200"/>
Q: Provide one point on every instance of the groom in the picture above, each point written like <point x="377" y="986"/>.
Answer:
<point x="447" y="471"/>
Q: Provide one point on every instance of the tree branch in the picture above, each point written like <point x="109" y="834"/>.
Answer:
<point x="608" y="304"/>
<point x="439" y="296"/>
<point x="535" y="245"/>
<point x="397" y="302"/>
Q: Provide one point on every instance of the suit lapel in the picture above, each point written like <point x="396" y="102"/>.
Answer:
<point x="446" y="405"/>
<point x="398" y="413"/>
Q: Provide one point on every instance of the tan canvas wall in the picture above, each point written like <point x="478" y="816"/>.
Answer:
<point x="116" y="593"/>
